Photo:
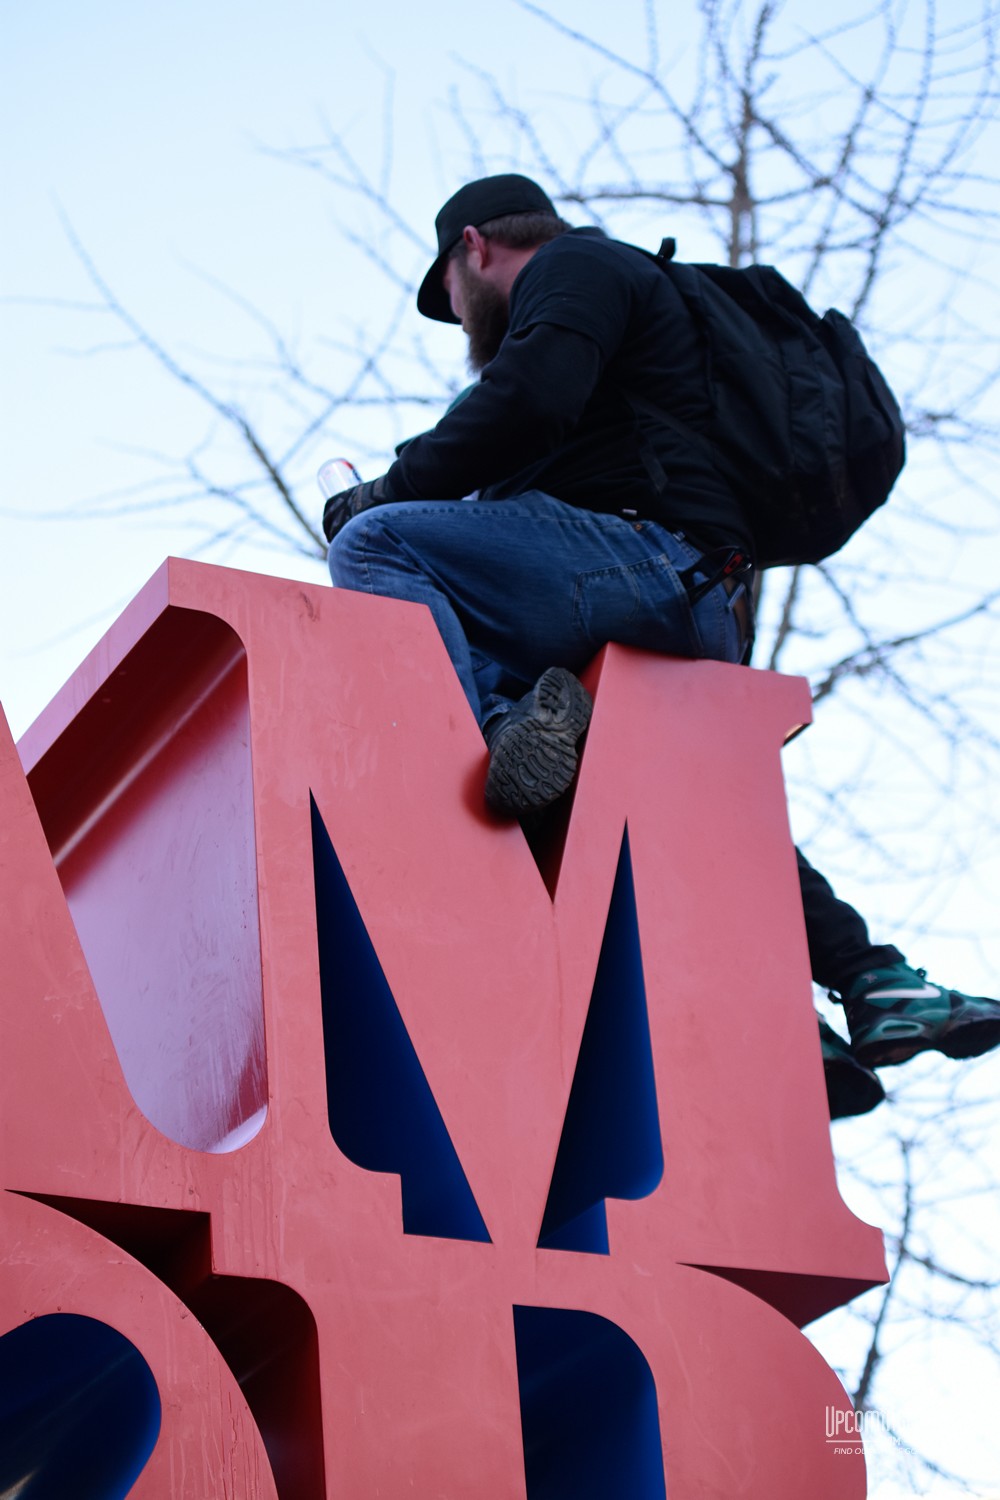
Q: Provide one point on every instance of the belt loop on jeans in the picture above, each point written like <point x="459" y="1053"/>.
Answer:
<point x="743" y="612"/>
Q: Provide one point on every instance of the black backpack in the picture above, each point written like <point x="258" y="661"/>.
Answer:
<point x="804" y="427"/>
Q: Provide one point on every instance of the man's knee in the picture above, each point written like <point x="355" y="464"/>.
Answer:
<point x="402" y="535"/>
<point x="345" y="557"/>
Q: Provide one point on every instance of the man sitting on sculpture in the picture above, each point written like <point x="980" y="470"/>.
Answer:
<point x="552" y="511"/>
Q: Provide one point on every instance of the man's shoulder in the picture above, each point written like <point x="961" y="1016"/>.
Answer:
<point x="588" y="283"/>
<point x="592" y="247"/>
<point x="584" y="268"/>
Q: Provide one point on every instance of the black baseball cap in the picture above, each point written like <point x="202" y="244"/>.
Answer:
<point x="475" y="204"/>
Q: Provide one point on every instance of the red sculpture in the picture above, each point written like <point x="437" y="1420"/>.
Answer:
<point x="408" y="1159"/>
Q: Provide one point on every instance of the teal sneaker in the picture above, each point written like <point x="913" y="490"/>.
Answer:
<point x="851" y="1089"/>
<point x="895" y="1013"/>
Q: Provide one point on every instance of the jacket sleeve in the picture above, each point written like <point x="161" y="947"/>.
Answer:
<point x="529" y="399"/>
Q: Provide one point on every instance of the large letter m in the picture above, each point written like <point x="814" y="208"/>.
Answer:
<point x="412" y="1157"/>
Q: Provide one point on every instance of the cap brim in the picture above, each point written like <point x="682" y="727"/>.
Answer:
<point x="432" y="299"/>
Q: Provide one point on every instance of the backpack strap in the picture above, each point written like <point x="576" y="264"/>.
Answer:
<point x="715" y="566"/>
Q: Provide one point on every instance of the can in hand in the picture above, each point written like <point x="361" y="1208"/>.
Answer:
<point x="336" y="475"/>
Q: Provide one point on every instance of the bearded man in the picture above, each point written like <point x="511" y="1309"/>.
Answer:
<point x="568" y="500"/>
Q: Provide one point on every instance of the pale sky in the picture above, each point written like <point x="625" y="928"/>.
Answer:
<point x="151" y="130"/>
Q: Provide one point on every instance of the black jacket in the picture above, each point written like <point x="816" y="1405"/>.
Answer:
<point x="592" y="321"/>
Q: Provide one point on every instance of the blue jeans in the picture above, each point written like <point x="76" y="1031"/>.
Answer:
<point x="519" y="585"/>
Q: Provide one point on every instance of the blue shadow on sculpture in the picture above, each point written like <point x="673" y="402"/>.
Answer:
<point x="79" y="1410"/>
<point x="382" y="1112"/>
<point x="610" y="1145"/>
<point x="589" y="1416"/>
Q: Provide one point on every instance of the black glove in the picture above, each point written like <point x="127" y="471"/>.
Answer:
<point x="340" y="509"/>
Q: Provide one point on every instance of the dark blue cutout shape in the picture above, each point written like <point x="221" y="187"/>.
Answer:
<point x="264" y="1330"/>
<point x="611" y="1145"/>
<point x="79" y="1410"/>
<point x="382" y="1112"/>
<point x="589" y="1417"/>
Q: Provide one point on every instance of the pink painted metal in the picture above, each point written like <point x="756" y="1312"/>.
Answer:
<point x="167" y="1057"/>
